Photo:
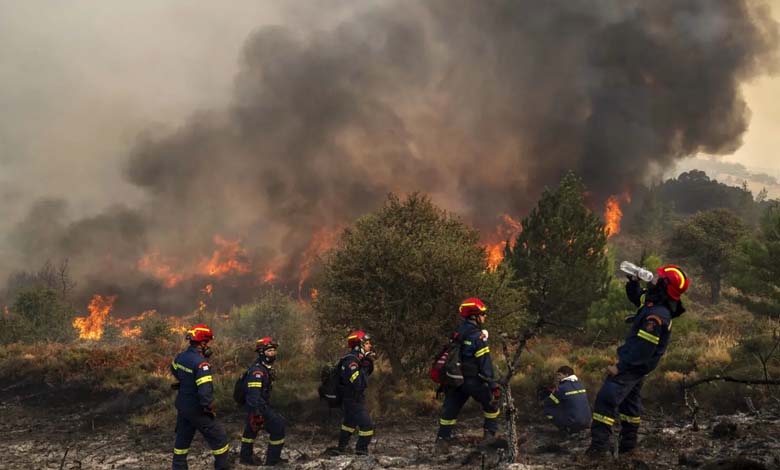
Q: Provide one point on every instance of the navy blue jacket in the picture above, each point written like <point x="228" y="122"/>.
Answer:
<point x="649" y="335"/>
<point x="258" y="383"/>
<point x="568" y="406"/>
<point x="475" y="353"/>
<point x="353" y="375"/>
<point x="196" y="390"/>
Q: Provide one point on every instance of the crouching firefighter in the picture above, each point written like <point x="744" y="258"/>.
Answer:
<point x="478" y="379"/>
<point x="258" y="383"/>
<point x="646" y="342"/>
<point x="354" y="370"/>
<point x="195" y="400"/>
<point x="567" y="404"/>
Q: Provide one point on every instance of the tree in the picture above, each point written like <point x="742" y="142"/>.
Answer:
<point x="560" y="256"/>
<point x="400" y="273"/>
<point x="38" y="314"/>
<point x="756" y="272"/>
<point x="708" y="240"/>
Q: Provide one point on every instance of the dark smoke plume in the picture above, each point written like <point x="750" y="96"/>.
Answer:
<point x="479" y="103"/>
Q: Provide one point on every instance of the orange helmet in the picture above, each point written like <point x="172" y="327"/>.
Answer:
<point x="676" y="280"/>
<point x="263" y="344"/>
<point x="471" y="306"/>
<point x="357" y="338"/>
<point x="199" y="332"/>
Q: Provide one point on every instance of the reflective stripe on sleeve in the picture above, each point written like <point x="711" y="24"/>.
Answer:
<point x="482" y="351"/>
<point x="647" y="336"/>
<point x="630" y="419"/>
<point x="221" y="450"/>
<point x="178" y="366"/>
<point x="603" y="419"/>
<point x="354" y="376"/>
<point x="203" y="380"/>
<point x="554" y="399"/>
<point x="181" y="451"/>
<point x="254" y="384"/>
<point x="575" y="392"/>
<point x="447" y="422"/>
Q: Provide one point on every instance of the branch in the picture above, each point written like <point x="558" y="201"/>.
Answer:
<point x="727" y="378"/>
<point x="532" y="331"/>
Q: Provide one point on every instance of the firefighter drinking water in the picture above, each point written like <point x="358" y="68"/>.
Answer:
<point x="478" y="380"/>
<point x="195" y="400"/>
<point x="258" y="383"/>
<point x="619" y="399"/>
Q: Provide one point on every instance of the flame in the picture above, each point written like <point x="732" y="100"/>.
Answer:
<point x="91" y="327"/>
<point x="321" y="241"/>
<point x="269" y="276"/>
<point x="228" y="258"/>
<point x="314" y="293"/>
<point x="208" y="290"/>
<point x="153" y="264"/>
<point x="507" y="229"/>
<point x="129" y="327"/>
<point x="613" y="213"/>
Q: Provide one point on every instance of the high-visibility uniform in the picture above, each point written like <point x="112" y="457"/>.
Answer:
<point x="259" y="383"/>
<point x="478" y="381"/>
<point x="353" y="381"/>
<point x="567" y="406"/>
<point x="195" y="410"/>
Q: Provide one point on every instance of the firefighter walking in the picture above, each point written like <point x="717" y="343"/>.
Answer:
<point x="354" y="370"/>
<point x="258" y="383"/>
<point x="478" y="378"/>
<point x="619" y="399"/>
<point x="195" y="400"/>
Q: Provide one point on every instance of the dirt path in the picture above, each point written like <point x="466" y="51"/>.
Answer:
<point x="75" y="439"/>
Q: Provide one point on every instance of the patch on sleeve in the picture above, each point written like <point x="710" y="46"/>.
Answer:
<point x="353" y="365"/>
<point x="258" y="374"/>
<point x="203" y="366"/>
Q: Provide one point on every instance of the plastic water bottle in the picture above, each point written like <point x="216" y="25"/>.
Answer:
<point x="636" y="271"/>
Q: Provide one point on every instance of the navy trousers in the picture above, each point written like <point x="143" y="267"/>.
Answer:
<point x="618" y="400"/>
<point x="455" y="398"/>
<point x="213" y="432"/>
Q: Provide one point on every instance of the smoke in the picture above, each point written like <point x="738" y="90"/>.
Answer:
<point x="480" y="104"/>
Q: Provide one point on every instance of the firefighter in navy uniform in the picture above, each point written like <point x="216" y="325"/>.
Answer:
<point x="478" y="379"/>
<point x="195" y="400"/>
<point x="619" y="398"/>
<point x="259" y="383"/>
<point x="567" y="404"/>
<point x="354" y="370"/>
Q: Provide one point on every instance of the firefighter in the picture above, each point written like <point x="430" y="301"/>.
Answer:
<point x="354" y="370"/>
<point x="648" y="337"/>
<point x="259" y="383"/>
<point x="195" y="400"/>
<point x="567" y="405"/>
<point x="478" y="380"/>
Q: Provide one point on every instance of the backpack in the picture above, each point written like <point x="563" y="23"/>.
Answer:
<point x="330" y="389"/>
<point x="446" y="368"/>
<point x="239" y="389"/>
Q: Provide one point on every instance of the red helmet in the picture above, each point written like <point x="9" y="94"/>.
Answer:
<point x="676" y="280"/>
<point x="357" y="338"/>
<point x="471" y="306"/>
<point x="199" y="332"/>
<point x="263" y="344"/>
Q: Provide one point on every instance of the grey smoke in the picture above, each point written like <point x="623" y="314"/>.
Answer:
<point x="479" y="103"/>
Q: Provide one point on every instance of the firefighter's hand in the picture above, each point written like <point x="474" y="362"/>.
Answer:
<point x="175" y="386"/>
<point x="612" y="370"/>
<point x="496" y="392"/>
<point x="256" y="422"/>
<point x="209" y="410"/>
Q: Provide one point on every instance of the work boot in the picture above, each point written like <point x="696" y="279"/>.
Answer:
<point x="361" y="451"/>
<point x="441" y="446"/>
<point x="246" y="456"/>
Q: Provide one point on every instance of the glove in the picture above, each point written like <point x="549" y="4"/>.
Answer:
<point x="368" y="364"/>
<point x="496" y="392"/>
<point x="209" y="410"/>
<point x="256" y="422"/>
<point x="175" y="386"/>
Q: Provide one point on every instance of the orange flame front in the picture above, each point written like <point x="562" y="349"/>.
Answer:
<point x="91" y="327"/>
<point x="228" y="258"/>
<point x="508" y="229"/>
<point x="321" y="241"/>
<point x="613" y="213"/>
<point x="152" y="263"/>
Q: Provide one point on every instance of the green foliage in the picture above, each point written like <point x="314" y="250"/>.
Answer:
<point x="155" y="328"/>
<point x="400" y="273"/>
<point x="606" y="316"/>
<point x="694" y="191"/>
<point x="559" y="258"/>
<point x="708" y="240"/>
<point x="37" y="314"/>
<point x="756" y="271"/>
